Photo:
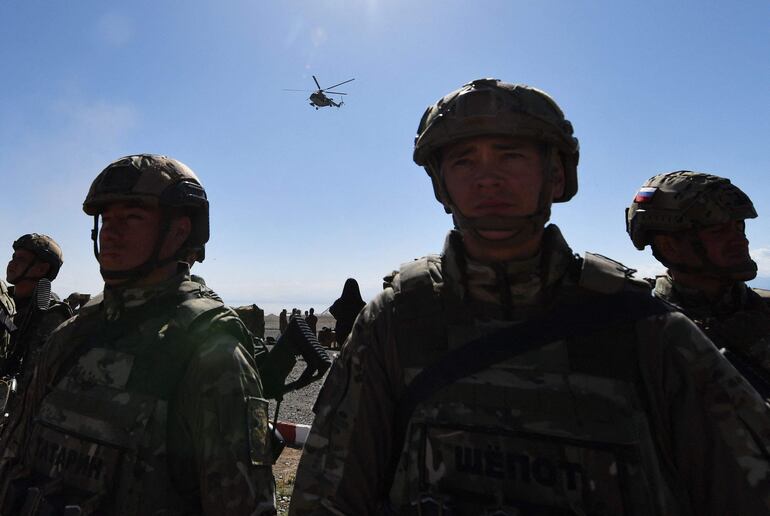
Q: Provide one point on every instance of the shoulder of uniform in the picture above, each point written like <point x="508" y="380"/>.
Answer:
<point x="420" y="274"/>
<point x="57" y="313"/>
<point x="60" y="307"/>
<point x="93" y="306"/>
<point x="6" y="301"/>
<point x="763" y="294"/>
<point x="190" y="312"/>
<point x="607" y="276"/>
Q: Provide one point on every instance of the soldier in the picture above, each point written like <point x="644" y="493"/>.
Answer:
<point x="695" y="224"/>
<point x="510" y="376"/>
<point x="7" y="314"/>
<point x="148" y="401"/>
<point x="312" y="320"/>
<point x="35" y="263"/>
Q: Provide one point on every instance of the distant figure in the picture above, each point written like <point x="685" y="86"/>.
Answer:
<point x="311" y="320"/>
<point x="345" y="310"/>
<point x="283" y="322"/>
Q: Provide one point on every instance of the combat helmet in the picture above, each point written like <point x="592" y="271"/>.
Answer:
<point x="682" y="201"/>
<point x="152" y="180"/>
<point x="45" y="249"/>
<point x="493" y="107"/>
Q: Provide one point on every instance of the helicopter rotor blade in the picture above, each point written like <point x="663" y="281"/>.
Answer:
<point x="339" y="84"/>
<point x="335" y="92"/>
<point x="316" y="83"/>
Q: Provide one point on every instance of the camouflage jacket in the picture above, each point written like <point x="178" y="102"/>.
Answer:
<point x="17" y="360"/>
<point x="33" y="326"/>
<point x="643" y="418"/>
<point x="7" y="314"/>
<point x="146" y="402"/>
<point x="738" y="322"/>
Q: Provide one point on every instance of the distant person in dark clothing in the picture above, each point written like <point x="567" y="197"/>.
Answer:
<point x="345" y="310"/>
<point x="311" y="320"/>
<point x="283" y="322"/>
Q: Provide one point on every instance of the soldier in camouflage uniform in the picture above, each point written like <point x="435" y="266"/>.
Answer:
<point x="509" y="376"/>
<point x="695" y="224"/>
<point x="147" y="401"/>
<point x="7" y="314"/>
<point x="35" y="263"/>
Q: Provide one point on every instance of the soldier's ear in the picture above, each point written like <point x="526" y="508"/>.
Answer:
<point x="557" y="174"/>
<point x="40" y="269"/>
<point x="180" y="229"/>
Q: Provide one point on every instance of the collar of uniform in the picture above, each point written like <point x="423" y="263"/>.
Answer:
<point x="695" y="303"/>
<point x="117" y="299"/>
<point x="524" y="280"/>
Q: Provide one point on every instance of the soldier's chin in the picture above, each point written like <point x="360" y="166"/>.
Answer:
<point x="745" y="275"/>
<point x="496" y="234"/>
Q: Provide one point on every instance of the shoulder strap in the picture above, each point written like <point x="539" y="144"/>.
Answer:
<point x="562" y="322"/>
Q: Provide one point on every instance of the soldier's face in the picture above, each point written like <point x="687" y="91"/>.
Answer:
<point x="128" y="235"/>
<point x="20" y="260"/>
<point x="495" y="176"/>
<point x="726" y="244"/>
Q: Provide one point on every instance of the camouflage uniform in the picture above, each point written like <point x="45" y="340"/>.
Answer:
<point x="739" y="320"/>
<point x="146" y="402"/>
<point x="7" y="313"/>
<point x="542" y="432"/>
<point x="26" y="344"/>
<point x="638" y="418"/>
<point x="36" y="318"/>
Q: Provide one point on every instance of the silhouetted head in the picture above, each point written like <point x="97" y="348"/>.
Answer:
<point x="351" y="291"/>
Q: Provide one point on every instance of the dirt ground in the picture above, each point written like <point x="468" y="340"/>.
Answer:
<point x="296" y="407"/>
<point x="284" y="471"/>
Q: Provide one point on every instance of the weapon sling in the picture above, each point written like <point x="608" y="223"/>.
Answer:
<point x="567" y="320"/>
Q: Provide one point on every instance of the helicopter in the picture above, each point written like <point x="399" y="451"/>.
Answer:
<point x="318" y="98"/>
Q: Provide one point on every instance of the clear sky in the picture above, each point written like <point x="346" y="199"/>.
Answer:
<point x="302" y="199"/>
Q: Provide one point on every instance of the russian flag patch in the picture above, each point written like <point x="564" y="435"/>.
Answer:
<point x="645" y="194"/>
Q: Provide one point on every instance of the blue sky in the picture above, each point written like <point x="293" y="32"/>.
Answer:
<point x="302" y="199"/>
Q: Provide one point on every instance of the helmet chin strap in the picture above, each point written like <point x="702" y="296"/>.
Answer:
<point x="140" y="271"/>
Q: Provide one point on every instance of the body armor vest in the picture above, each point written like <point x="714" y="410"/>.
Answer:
<point x="100" y="443"/>
<point x="561" y="430"/>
